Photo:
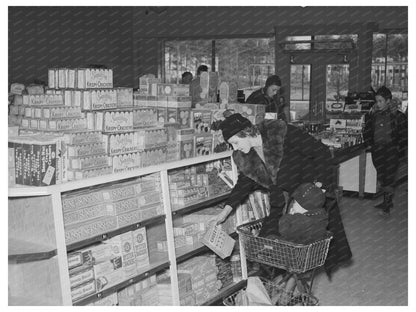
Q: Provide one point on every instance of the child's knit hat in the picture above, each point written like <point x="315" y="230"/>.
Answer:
<point x="309" y="196"/>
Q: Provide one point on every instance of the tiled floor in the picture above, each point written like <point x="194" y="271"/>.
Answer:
<point x="378" y="274"/>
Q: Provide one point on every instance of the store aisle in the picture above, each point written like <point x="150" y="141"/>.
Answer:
<point x="378" y="274"/>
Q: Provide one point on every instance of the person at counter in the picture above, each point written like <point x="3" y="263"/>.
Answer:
<point x="385" y="135"/>
<point x="269" y="97"/>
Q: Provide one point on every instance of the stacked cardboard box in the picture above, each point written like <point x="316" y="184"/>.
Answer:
<point x="131" y="295"/>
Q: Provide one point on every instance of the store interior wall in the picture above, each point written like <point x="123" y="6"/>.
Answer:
<point x="128" y="38"/>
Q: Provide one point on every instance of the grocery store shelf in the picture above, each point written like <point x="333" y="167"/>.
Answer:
<point x="206" y="202"/>
<point x="23" y="251"/>
<point x="24" y="191"/>
<point x="187" y="252"/>
<point x="105" y="236"/>
<point x="225" y="292"/>
<point x="157" y="265"/>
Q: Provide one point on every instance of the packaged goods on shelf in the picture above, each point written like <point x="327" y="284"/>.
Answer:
<point x="154" y="156"/>
<point x="224" y="92"/>
<point x="88" y="162"/>
<point x="128" y="256"/>
<point x="122" y="143"/>
<point x="37" y="160"/>
<point x="83" y="291"/>
<point x="179" y="115"/>
<point x="43" y="99"/>
<point x="99" y="99"/>
<point x="201" y="120"/>
<point x="124" y="97"/>
<point x="17" y="88"/>
<point x="81" y="231"/>
<point x="162" y="116"/>
<point x="139" y="99"/>
<point x="148" y="84"/>
<point x="236" y="267"/>
<point x="114" y="121"/>
<point x="170" y="89"/>
<point x="35" y="89"/>
<point x="58" y="112"/>
<point x="140" y="248"/>
<point x="203" y="144"/>
<point x="186" y="229"/>
<point x="151" y="137"/>
<point x="110" y="300"/>
<point x="108" y="273"/>
<point x="254" y="112"/>
<point x="185" y="138"/>
<point x="80" y="275"/>
<point x="72" y="97"/>
<point x="125" y="162"/>
<point x="224" y="275"/>
<point x="80" y="258"/>
<point x="86" y="149"/>
<point x="88" y="213"/>
<point x="61" y="124"/>
<point x="129" y="295"/>
<point x="98" y="253"/>
<point x="144" y="117"/>
<point x="232" y="92"/>
<point x="88" y="173"/>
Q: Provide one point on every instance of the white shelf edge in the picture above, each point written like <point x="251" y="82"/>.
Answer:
<point x="73" y="185"/>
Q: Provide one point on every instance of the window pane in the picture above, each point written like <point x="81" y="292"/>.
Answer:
<point x="343" y="41"/>
<point x="397" y="63"/>
<point x="300" y="78"/>
<point x="185" y="55"/>
<point x="378" y="61"/>
<point x="337" y="76"/>
<point x="247" y="61"/>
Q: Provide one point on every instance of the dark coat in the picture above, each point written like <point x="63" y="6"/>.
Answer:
<point x="303" y="228"/>
<point x="272" y="104"/>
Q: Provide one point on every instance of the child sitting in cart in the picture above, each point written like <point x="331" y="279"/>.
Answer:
<point x="305" y="222"/>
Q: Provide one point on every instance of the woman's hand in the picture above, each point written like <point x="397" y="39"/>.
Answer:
<point x="223" y="215"/>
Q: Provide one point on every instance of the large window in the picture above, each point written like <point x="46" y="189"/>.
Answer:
<point x="249" y="61"/>
<point x="389" y="63"/>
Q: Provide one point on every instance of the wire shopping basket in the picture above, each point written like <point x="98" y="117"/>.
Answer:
<point x="292" y="257"/>
<point x="278" y="295"/>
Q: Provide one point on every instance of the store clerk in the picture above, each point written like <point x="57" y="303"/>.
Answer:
<point x="269" y="96"/>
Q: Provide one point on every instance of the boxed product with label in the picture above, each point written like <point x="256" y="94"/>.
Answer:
<point x="99" y="99"/>
<point x="122" y="143"/>
<point x="109" y="273"/>
<point x="114" y="121"/>
<point x="94" y="78"/>
<point x="43" y="99"/>
<point x="140" y="247"/>
<point x="186" y="229"/>
<point x="149" y="198"/>
<point x="254" y="110"/>
<point x="203" y="145"/>
<point x="89" y="162"/>
<point x="89" y="173"/>
<point x="146" y="82"/>
<point x="80" y="258"/>
<point x="83" y="291"/>
<point x="88" y="213"/>
<point x="60" y="112"/>
<point x="180" y="116"/>
<point x="128" y="218"/>
<point x="65" y="124"/>
<point x="144" y="117"/>
<point x="151" y="211"/>
<point x="125" y="240"/>
<point x="80" y="276"/>
<point x="100" y="253"/>
<point x="172" y="89"/>
<point x="86" y="149"/>
<point x="162" y="115"/>
<point x="201" y="120"/>
<point x="17" y="88"/>
<point x="83" y="137"/>
<point x="139" y="99"/>
<point x="219" y="241"/>
<point x="77" y="200"/>
<point x="124" y="97"/>
<point x="154" y="156"/>
<point x="81" y="231"/>
<point x="185" y="138"/>
<point x="126" y="162"/>
<point x="152" y="137"/>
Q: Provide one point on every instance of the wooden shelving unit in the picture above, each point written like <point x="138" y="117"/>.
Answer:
<point x="38" y="265"/>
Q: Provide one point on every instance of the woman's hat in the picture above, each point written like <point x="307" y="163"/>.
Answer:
<point x="309" y="196"/>
<point x="233" y="124"/>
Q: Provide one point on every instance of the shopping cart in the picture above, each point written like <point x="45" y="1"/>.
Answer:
<point x="299" y="261"/>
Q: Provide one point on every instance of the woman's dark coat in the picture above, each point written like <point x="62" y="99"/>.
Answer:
<point x="292" y="158"/>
